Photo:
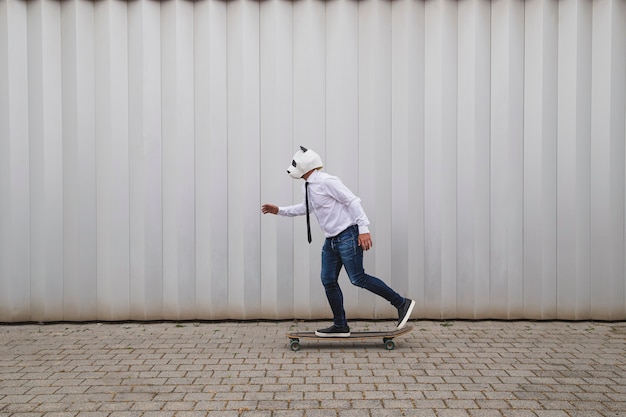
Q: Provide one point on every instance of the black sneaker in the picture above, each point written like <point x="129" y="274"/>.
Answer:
<point x="404" y="312"/>
<point x="334" y="331"/>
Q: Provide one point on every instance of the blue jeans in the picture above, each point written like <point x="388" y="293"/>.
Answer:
<point x="343" y="250"/>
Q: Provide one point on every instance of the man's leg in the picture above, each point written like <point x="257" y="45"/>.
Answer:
<point x="331" y="266"/>
<point x="352" y="257"/>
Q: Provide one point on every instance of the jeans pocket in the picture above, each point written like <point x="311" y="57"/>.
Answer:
<point x="348" y="246"/>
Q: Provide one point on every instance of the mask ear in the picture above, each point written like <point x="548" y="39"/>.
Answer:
<point x="303" y="149"/>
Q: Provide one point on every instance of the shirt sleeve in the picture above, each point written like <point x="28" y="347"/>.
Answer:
<point x="359" y="215"/>
<point x="292" y="211"/>
<point x="343" y="195"/>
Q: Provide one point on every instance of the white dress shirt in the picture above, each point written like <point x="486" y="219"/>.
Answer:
<point x="334" y="205"/>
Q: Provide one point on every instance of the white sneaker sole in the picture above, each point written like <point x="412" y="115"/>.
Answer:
<point x="407" y="316"/>
<point x="318" y="334"/>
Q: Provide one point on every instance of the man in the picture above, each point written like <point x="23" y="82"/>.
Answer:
<point x="345" y="225"/>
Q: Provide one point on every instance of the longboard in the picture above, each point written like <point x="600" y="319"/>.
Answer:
<point x="294" y="337"/>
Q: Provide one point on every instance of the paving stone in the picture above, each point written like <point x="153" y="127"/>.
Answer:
<point x="204" y="369"/>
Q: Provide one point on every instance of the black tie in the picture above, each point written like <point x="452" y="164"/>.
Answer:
<point x="308" y="220"/>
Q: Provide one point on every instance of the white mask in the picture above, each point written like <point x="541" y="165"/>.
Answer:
<point x="303" y="161"/>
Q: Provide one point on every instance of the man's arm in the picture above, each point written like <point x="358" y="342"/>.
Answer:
<point x="337" y="189"/>
<point x="289" y="211"/>
<point x="344" y="195"/>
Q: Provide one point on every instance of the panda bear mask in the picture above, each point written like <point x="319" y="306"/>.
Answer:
<point x="303" y="161"/>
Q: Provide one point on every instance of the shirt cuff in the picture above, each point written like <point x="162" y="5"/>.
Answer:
<point x="363" y="229"/>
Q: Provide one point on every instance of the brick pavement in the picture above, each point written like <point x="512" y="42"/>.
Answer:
<point x="441" y="369"/>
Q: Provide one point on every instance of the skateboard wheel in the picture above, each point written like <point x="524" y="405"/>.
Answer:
<point x="389" y="344"/>
<point x="295" y="345"/>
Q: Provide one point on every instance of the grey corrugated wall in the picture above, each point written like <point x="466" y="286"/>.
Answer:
<point x="138" y="140"/>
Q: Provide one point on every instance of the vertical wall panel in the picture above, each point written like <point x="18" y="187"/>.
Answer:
<point x="179" y="254"/>
<point x="14" y="163"/>
<point x="111" y="58"/>
<point x="407" y="150"/>
<point x="540" y="96"/>
<point x="375" y="143"/>
<point x="6" y="277"/>
<point x="607" y="159"/>
<point x="486" y="139"/>
<point x="309" y="129"/>
<point x="79" y="161"/>
<point x="276" y="136"/>
<point x="46" y="159"/>
<point x="211" y="124"/>
<point x="573" y="164"/>
<point x="144" y="126"/>
<point x="243" y="159"/>
<point x="440" y="153"/>
<point x="507" y="154"/>
<point x="474" y="110"/>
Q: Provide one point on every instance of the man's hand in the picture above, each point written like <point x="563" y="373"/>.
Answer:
<point x="269" y="208"/>
<point x="365" y="241"/>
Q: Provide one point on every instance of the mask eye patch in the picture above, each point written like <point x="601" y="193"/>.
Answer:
<point x="293" y="163"/>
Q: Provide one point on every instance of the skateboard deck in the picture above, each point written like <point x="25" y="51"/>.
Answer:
<point x="386" y="336"/>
